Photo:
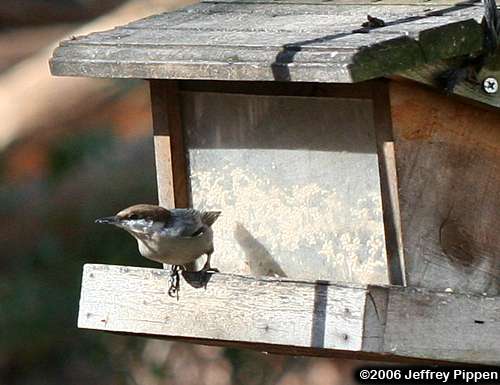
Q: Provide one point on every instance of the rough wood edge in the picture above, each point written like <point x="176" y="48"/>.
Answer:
<point x="388" y="183"/>
<point x="106" y="282"/>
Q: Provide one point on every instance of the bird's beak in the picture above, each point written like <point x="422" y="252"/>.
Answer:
<point x="108" y="220"/>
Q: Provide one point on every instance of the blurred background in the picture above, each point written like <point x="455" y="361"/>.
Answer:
<point x="72" y="150"/>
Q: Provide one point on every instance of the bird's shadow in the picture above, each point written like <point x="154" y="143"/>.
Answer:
<point x="197" y="279"/>
<point x="258" y="258"/>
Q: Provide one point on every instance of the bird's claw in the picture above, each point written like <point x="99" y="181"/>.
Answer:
<point x="174" y="282"/>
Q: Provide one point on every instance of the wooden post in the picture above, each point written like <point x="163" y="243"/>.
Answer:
<point x="171" y="163"/>
<point x="388" y="182"/>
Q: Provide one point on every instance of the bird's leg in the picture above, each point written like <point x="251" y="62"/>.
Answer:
<point x="207" y="268"/>
<point x="174" y="281"/>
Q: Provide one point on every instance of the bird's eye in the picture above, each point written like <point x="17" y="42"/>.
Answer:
<point x="133" y="217"/>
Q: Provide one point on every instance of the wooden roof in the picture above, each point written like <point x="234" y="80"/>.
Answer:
<point x="306" y="40"/>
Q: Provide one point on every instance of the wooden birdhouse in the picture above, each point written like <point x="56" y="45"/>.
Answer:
<point x="354" y="151"/>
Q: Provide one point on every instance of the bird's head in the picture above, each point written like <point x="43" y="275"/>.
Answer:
<point x="138" y="219"/>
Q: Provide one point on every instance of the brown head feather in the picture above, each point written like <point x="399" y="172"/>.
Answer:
<point x="143" y="211"/>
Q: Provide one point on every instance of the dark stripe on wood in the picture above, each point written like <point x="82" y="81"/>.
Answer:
<point x="361" y="90"/>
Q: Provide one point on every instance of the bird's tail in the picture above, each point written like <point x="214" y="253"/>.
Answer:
<point x="209" y="217"/>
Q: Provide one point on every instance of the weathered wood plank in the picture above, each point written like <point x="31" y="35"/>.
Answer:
<point x="283" y="314"/>
<point x="247" y="71"/>
<point x="228" y="57"/>
<point x="336" y="39"/>
<point x="204" y="15"/>
<point x="310" y="60"/>
<point x="454" y="327"/>
<point x="235" y="41"/>
<point x="229" y="17"/>
<point x="448" y="157"/>
<point x="172" y="18"/>
<point x="316" y="318"/>
<point x="271" y="30"/>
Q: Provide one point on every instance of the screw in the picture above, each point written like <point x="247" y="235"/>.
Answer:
<point x="490" y="85"/>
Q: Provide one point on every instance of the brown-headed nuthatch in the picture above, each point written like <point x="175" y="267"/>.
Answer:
<point x="175" y="236"/>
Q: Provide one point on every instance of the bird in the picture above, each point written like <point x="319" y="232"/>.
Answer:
<point x="177" y="237"/>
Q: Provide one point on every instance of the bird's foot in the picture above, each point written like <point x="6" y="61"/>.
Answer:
<point x="174" y="282"/>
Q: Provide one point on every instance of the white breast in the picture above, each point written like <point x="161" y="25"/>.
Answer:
<point x="162" y="248"/>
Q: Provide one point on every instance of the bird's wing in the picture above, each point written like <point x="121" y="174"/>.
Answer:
<point x="190" y="222"/>
<point x="185" y="223"/>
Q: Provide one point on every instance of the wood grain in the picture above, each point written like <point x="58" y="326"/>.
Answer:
<point x="448" y="157"/>
<point x="316" y="318"/>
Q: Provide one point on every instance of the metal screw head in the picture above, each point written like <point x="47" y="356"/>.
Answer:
<point x="490" y="85"/>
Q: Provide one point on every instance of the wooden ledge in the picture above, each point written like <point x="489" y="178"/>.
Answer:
<point x="293" y="317"/>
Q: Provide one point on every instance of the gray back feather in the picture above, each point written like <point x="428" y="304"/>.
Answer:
<point x="186" y="222"/>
